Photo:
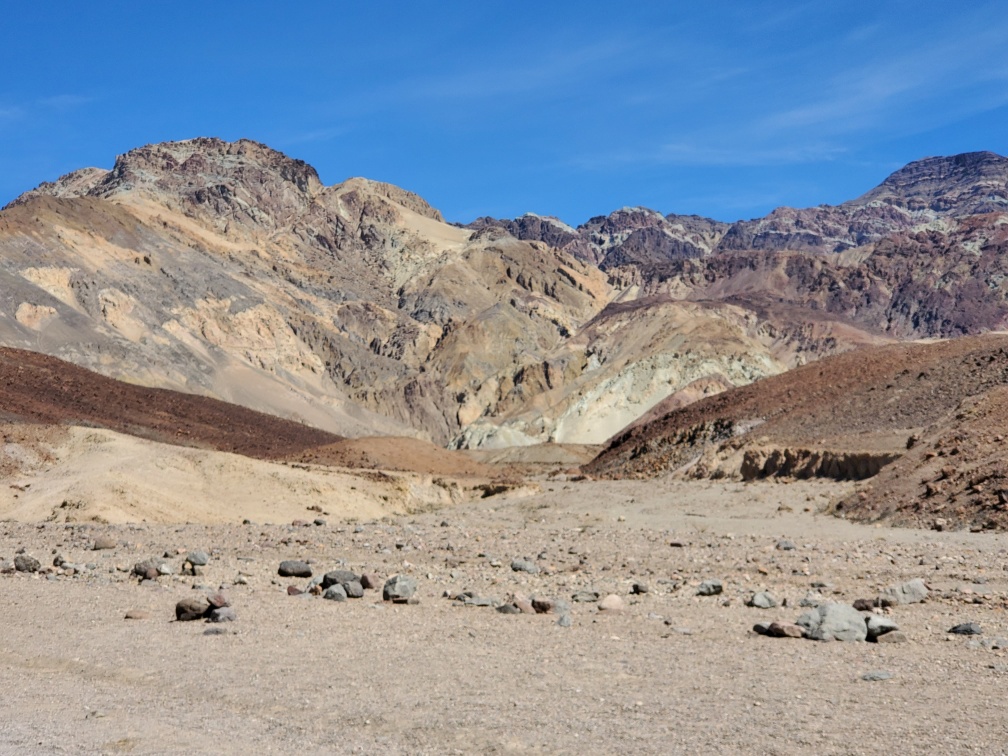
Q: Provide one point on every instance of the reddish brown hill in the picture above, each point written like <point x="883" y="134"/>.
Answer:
<point x="844" y="416"/>
<point x="37" y="388"/>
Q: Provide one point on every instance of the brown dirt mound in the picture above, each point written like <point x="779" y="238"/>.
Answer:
<point x="37" y="388"/>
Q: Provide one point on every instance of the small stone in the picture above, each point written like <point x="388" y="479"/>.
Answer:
<point x="26" y="563"/>
<point x="218" y="600"/>
<point x="193" y="608"/>
<point x="137" y="614"/>
<point x="877" y="626"/>
<point x="148" y="569"/>
<point x="294" y="568"/>
<point x="215" y="631"/>
<point x="353" y="589"/>
<point x="761" y="628"/>
<point x="762" y="600"/>
<point x="864" y="604"/>
<point x="369" y="582"/>
<point x="241" y="580"/>
<point x="785" y="545"/>
<point x="524" y="565"/>
<point x="612" y="604"/>
<point x="877" y="675"/>
<point x="165" y="569"/>
<point x="399" y="588"/>
<point x="710" y="588"/>
<point x="639" y="589"/>
<point x="912" y="592"/>
<point x="319" y="522"/>
<point x="967" y="628"/>
<point x="784" y="630"/>
<point x="585" y="597"/>
<point x="103" y="543"/>
<point x="198" y="558"/>
<point x="677" y="544"/>
<point x="341" y="577"/>
<point x="222" y="614"/>
<point x="293" y="590"/>
<point x="508" y="609"/>
<point x="893" y="636"/>
<point x="834" y="622"/>
<point x="564" y="621"/>
<point x="335" y="593"/>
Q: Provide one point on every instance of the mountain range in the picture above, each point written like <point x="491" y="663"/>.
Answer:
<point x="227" y="269"/>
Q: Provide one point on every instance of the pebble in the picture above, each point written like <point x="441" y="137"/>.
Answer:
<point x="294" y="568"/>
<point x="369" y="582"/>
<point x="710" y="588"/>
<point x="335" y="593"/>
<point x="524" y="565"/>
<point x="967" y="628"/>
<point x="785" y="545"/>
<point x="877" y="675"/>
<point x="762" y="600"/>
<point x="26" y="563"/>
<point x="639" y="588"/>
<point x="564" y="621"/>
<point x="103" y="543"/>
<point x="508" y="609"/>
<point x="198" y="558"/>
<point x="585" y="597"/>
<point x="222" y="614"/>
<point x="612" y="604"/>
<point x="218" y="600"/>
<point x="215" y="631"/>
<point x="341" y="577"/>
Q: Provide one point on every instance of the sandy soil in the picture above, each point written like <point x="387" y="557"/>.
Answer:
<point x="673" y="673"/>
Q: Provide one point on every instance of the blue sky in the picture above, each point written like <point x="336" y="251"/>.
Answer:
<point x="725" y="109"/>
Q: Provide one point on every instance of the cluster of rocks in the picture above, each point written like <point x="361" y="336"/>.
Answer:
<point x="215" y="607"/>
<point x="340" y="584"/>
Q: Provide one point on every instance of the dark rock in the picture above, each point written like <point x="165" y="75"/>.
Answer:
<point x="222" y="614"/>
<point x="340" y="577"/>
<point x="399" y="588"/>
<point x="639" y="588"/>
<point x="864" y="604"/>
<point x="550" y="606"/>
<point x="710" y="588"/>
<point x="967" y="628"/>
<point x="192" y="608"/>
<point x="335" y="593"/>
<point x="784" y="630"/>
<point x="26" y="563"/>
<point x="877" y="626"/>
<point x="761" y="628"/>
<point x="294" y="568"/>
<point x="319" y="522"/>
<point x="293" y="590"/>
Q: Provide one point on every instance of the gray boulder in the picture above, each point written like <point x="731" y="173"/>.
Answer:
<point x="834" y="622"/>
<point x="911" y="592"/>
<point x="335" y="593"/>
<point x="399" y="588"/>
<point x="762" y="600"/>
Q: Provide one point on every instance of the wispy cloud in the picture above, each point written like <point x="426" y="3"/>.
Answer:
<point x="324" y="134"/>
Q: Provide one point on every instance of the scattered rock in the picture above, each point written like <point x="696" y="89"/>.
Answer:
<point x="877" y="626"/>
<point x="911" y="592"/>
<point x="369" y="582"/>
<point x="103" y="543"/>
<point x="341" y="577"/>
<point x="967" y="628"/>
<point x="353" y="589"/>
<point x="524" y="565"/>
<point x="877" y="675"/>
<point x="293" y="590"/>
<point x="833" y="621"/>
<point x="639" y="588"/>
<point x="335" y="593"/>
<point x="26" y="563"/>
<point x="761" y="628"/>
<point x="762" y="600"/>
<point x="585" y="597"/>
<point x="399" y="588"/>
<point x="219" y="600"/>
<point x="198" y="558"/>
<point x="148" y="569"/>
<point x="294" y="568"/>
<point x="612" y="604"/>
<point x="785" y="545"/>
<point x="550" y="606"/>
<point x="222" y="614"/>
<point x="508" y="609"/>
<point x="784" y="630"/>
<point x="710" y="588"/>
<point x="564" y="621"/>
<point x="192" y="608"/>
<point x="863" y="604"/>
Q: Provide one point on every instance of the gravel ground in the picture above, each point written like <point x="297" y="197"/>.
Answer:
<point x="672" y="673"/>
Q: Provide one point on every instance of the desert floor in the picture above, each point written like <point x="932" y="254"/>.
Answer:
<point x="672" y="673"/>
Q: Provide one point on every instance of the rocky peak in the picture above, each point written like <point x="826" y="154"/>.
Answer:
<point x="966" y="184"/>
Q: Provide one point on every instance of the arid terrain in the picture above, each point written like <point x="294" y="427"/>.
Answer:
<point x="290" y="467"/>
